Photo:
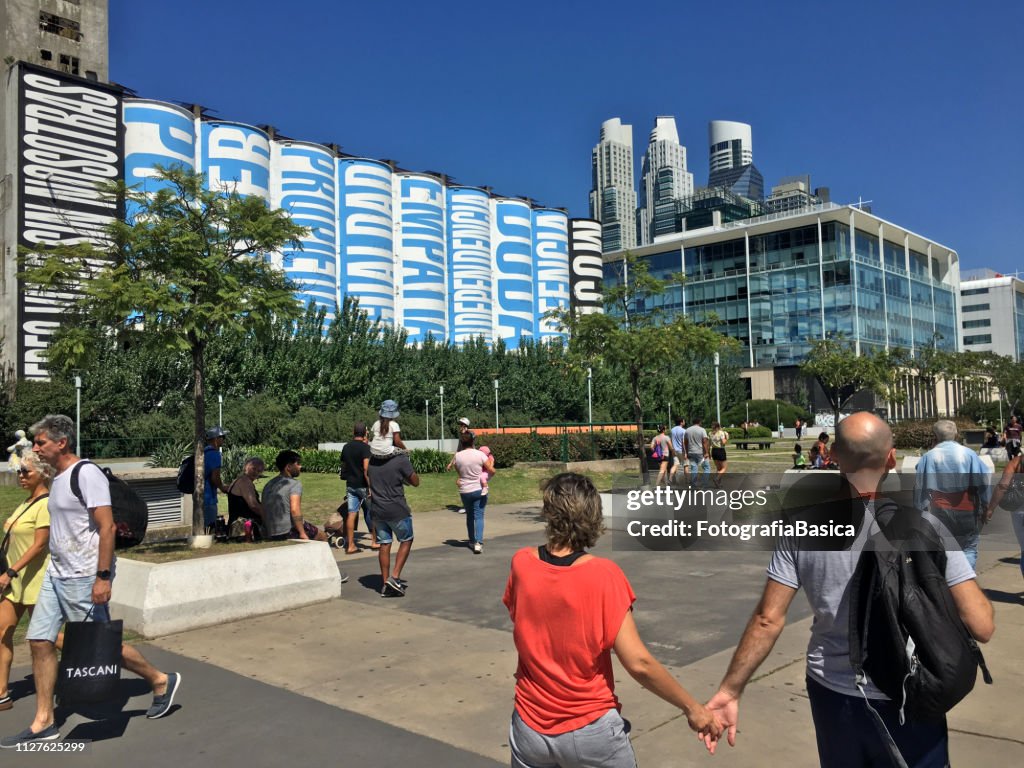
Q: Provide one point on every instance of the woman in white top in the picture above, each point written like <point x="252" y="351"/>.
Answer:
<point x="384" y="434"/>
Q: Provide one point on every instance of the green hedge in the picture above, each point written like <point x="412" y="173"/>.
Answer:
<point x="572" y="446"/>
<point x="736" y="433"/>
<point x="917" y="433"/>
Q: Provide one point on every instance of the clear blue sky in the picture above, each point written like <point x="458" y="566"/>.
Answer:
<point x="914" y="106"/>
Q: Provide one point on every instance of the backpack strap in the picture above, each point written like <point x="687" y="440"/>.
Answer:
<point x="76" y="487"/>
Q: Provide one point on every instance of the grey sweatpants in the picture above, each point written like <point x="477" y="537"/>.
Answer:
<point x="600" y="744"/>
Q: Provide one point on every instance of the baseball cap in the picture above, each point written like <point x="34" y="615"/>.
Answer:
<point x="464" y="421"/>
<point x="214" y="432"/>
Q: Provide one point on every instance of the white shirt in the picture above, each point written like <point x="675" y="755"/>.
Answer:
<point x="74" y="536"/>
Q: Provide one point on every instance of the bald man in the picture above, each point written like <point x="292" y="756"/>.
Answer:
<point x="846" y="735"/>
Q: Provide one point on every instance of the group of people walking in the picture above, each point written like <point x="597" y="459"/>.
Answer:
<point x="693" y="449"/>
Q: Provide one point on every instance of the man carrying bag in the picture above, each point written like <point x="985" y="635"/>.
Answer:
<point x="76" y="588"/>
<point x="90" y="662"/>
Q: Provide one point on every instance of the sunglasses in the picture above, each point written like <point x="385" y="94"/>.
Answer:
<point x="24" y="472"/>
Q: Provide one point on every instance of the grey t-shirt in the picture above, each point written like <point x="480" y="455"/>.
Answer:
<point x="695" y="437"/>
<point x="825" y="577"/>
<point x="386" y="476"/>
<point x="277" y="507"/>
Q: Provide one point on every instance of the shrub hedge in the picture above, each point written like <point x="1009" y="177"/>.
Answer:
<point x="917" y="433"/>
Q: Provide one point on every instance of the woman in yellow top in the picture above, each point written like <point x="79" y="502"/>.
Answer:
<point x="718" y="438"/>
<point x="28" y="555"/>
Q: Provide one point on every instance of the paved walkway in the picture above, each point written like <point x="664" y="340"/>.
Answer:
<point x="426" y="680"/>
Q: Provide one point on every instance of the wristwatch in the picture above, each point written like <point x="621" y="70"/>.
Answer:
<point x="12" y="573"/>
<point x="105" y="575"/>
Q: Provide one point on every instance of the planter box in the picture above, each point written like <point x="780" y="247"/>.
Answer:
<point x="162" y="598"/>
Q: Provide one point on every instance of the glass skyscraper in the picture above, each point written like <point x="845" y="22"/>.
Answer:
<point x="777" y="283"/>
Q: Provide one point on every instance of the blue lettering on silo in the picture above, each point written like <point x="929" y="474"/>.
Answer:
<point x="307" y="190"/>
<point x="236" y="157"/>
<point x="420" y="258"/>
<point x="513" y="270"/>
<point x="550" y="269"/>
<point x="366" y="259"/>
<point x="470" y="278"/>
<point x="155" y="134"/>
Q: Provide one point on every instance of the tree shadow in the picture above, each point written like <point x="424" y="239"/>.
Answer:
<point x="999" y="596"/>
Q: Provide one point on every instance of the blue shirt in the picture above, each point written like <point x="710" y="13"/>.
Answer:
<point x="953" y="471"/>
<point x="211" y="461"/>
<point x="677" y="438"/>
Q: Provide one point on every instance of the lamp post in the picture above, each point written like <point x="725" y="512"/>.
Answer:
<point x="748" y="412"/>
<point x="590" y="399"/>
<point x="496" y="405"/>
<point x="220" y="411"/>
<point x="777" y="419"/>
<point x="718" y="395"/>
<point x="428" y="420"/>
<point x="670" y="415"/>
<point x="440" y="440"/>
<point x="78" y="415"/>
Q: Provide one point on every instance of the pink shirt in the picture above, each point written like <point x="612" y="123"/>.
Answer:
<point x="470" y="464"/>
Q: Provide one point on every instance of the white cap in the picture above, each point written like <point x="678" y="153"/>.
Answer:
<point x="464" y="421"/>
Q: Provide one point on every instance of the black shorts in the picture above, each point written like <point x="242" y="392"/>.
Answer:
<point x="718" y="454"/>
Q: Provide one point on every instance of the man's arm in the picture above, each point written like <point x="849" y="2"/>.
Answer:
<point x="104" y="519"/>
<point x="413" y="480"/>
<point x="758" y="639"/>
<point x="295" y="501"/>
<point x="366" y="475"/>
<point x="975" y="610"/>
<point x="216" y="482"/>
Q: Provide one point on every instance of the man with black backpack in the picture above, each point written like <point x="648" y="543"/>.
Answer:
<point x="849" y="712"/>
<point x="77" y="583"/>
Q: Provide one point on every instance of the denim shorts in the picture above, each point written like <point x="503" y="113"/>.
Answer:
<point x="401" y="529"/>
<point x="62" y="600"/>
<point x="356" y="497"/>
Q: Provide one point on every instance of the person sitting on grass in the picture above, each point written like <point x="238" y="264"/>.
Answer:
<point x="799" y="460"/>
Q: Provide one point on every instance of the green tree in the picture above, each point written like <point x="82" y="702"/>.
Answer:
<point x="635" y="334"/>
<point x="186" y="265"/>
<point x="842" y="373"/>
<point x="1007" y="376"/>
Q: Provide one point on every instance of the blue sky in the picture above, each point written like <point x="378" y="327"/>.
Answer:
<point x="914" y="106"/>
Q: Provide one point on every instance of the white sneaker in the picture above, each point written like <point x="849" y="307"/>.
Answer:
<point x="460" y="511"/>
<point x="478" y="547"/>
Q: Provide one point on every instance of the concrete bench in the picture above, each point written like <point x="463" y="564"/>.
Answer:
<point x="760" y="444"/>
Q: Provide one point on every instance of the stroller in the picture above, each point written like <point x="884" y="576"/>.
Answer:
<point x="335" y="528"/>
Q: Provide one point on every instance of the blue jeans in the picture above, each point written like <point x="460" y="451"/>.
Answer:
<point x="849" y="736"/>
<point x="474" y="504"/>
<point x="965" y="529"/>
<point x="355" y="497"/>
<point x="699" y="463"/>
<point x="603" y="742"/>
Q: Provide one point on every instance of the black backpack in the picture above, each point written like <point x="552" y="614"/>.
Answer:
<point x="131" y="515"/>
<point x="186" y="481"/>
<point x="905" y="631"/>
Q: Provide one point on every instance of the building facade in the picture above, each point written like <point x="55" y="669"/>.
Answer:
<point x="663" y="180"/>
<point x="992" y="313"/>
<point x="776" y="283"/>
<point x="612" y="191"/>
<point x="68" y="36"/>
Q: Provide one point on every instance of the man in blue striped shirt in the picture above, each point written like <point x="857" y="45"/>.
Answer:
<point x="954" y="484"/>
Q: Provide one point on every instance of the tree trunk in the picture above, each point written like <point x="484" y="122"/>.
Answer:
<point x="199" y="400"/>
<point x="638" y="417"/>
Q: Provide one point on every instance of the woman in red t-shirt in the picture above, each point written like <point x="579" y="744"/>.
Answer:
<point x="569" y="610"/>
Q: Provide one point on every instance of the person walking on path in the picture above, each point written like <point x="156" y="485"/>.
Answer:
<point x="697" y="452"/>
<point x="392" y="517"/>
<point x="846" y="733"/>
<point x="472" y="465"/>
<point x="77" y="583"/>
<point x="953" y="484"/>
<point x="718" y="438"/>
<point x="1013" y="475"/>
<point x="26" y="555"/>
<point x="355" y="471"/>
<point x="798" y="428"/>
<point x="1012" y="436"/>
<point x="678" y="436"/>
<point x="661" y="452"/>
<point x="569" y="610"/>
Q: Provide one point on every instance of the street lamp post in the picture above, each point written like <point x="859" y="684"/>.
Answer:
<point x="496" y="427"/>
<point x="78" y="415"/>
<point x="778" y="420"/>
<point x="748" y="412"/>
<point x="590" y="399"/>
<point x="220" y="411"/>
<point x="440" y="440"/>
<point x="428" y="420"/>
<point x="718" y="395"/>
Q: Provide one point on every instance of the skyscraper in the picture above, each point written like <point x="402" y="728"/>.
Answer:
<point x="664" y="179"/>
<point x="731" y="158"/>
<point x="612" y="194"/>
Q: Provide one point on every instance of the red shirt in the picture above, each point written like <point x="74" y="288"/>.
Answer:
<point x="566" y="619"/>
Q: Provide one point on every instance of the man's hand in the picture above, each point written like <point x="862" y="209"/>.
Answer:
<point x="726" y="708"/>
<point x="101" y="592"/>
<point x="708" y="728"/>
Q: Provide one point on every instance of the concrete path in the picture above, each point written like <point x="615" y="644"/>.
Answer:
<point x="427" y="680"/>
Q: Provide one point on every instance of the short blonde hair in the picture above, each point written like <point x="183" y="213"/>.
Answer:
<point x="572" y="509"/>
<point x="33" y="462"/>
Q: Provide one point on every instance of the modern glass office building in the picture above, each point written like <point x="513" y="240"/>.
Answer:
<point x="779" y="282"/>
<point x="993" y="313"/>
